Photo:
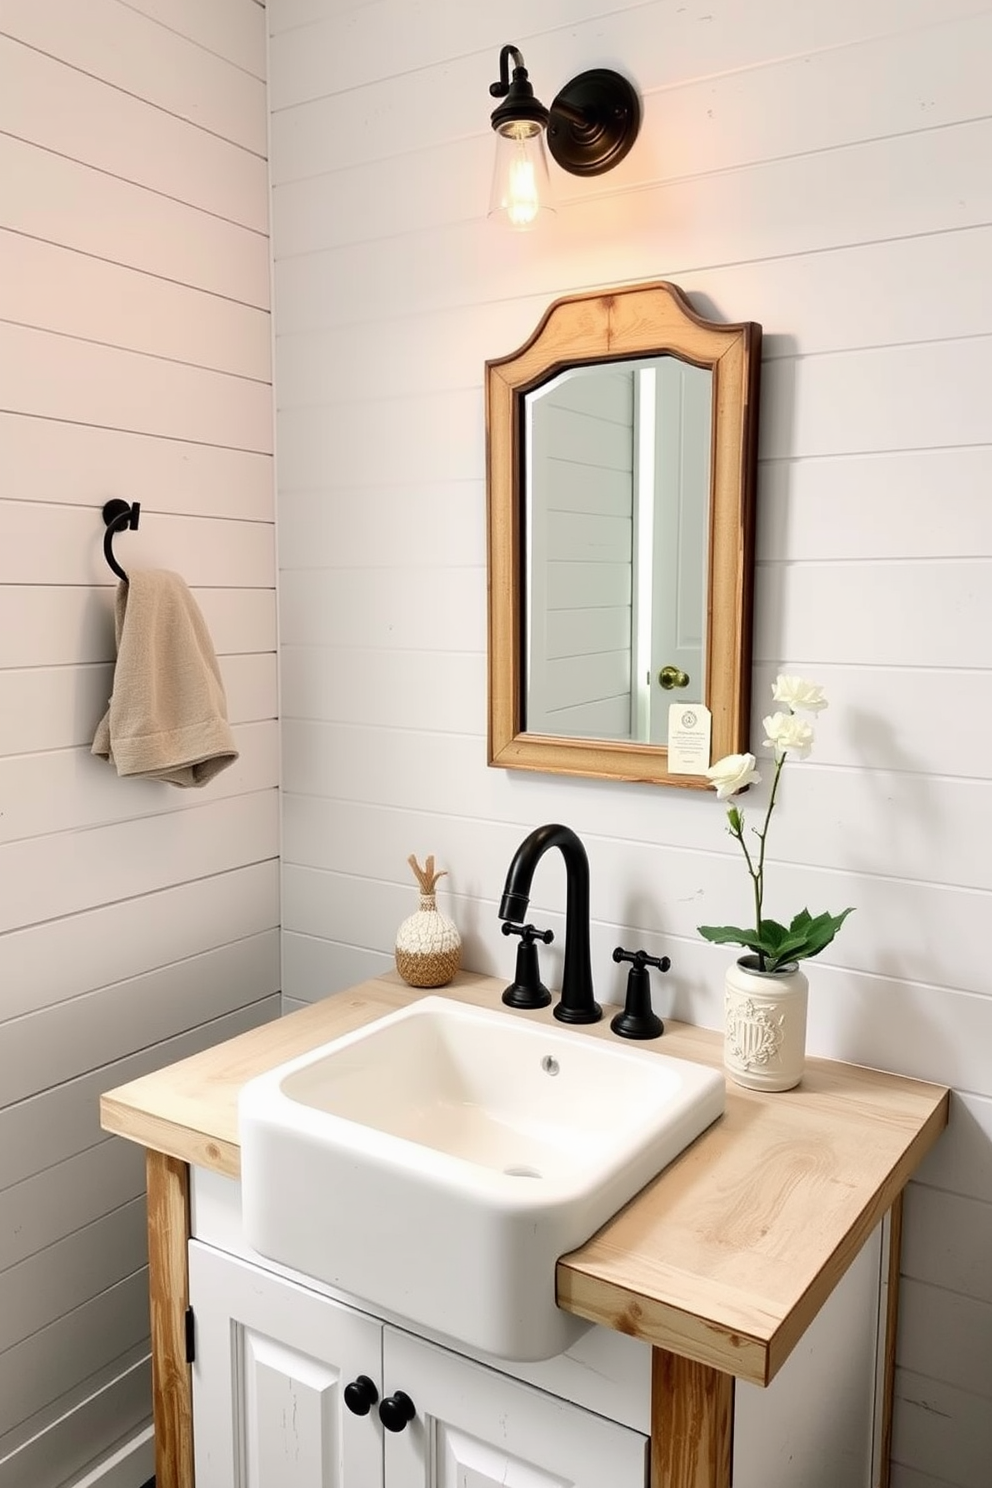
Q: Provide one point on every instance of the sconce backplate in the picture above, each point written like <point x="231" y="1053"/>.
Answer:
<point x="611" y="113"/>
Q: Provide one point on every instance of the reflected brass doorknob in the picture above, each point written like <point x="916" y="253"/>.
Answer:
<point x="672" y="676"/>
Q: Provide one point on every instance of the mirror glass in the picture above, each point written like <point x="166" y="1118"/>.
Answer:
<point x="616" y="519"/>
<point x="621" y="448"/>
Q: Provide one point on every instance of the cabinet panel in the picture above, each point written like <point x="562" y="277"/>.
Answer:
<point x="289" y="1404"/>
<point x="477" y="1428"/>
<point x="272" y="1362"/>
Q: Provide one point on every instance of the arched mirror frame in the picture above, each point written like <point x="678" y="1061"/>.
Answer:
<point x="606" y="326"/>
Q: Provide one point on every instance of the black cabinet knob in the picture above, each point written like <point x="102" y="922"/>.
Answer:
<point x="361" y="1395"/>
<point x="396" y="1410"/>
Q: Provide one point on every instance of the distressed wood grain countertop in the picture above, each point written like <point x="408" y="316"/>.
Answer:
<point x="724" y="1258"/>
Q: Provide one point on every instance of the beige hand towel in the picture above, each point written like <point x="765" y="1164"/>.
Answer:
<point x="167" y="718"/>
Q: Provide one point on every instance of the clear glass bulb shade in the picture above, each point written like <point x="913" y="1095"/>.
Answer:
<point x="521" y="191"/>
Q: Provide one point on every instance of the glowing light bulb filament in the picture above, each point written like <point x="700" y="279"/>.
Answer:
<point x="523" y="199"/>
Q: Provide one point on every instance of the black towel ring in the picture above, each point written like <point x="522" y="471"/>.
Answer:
<point x="120" y="516"/>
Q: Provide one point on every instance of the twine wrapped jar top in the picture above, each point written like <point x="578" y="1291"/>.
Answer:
<point x="428" y="946"/>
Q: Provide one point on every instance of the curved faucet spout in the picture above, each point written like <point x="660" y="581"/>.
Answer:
<point x="577" y="1005"/>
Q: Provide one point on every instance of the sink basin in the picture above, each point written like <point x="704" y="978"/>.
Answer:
<point x="436" y="1163"/>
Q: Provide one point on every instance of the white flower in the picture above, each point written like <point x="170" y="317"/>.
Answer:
<point x="796" y="692"/>
<point x="784" y="732"/>
<point x="732" y="773"/>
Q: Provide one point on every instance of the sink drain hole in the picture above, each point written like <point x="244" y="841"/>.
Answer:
<point x="522" y="1171"/>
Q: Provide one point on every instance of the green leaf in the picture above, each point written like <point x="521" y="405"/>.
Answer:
<point x="808" y="936"/>
<point x="727" y="934"/>
<point x="732" y="935"/>
<point x="773" y="934"/>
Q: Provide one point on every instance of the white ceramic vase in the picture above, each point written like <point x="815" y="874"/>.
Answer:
<point x="765" y="1025"/>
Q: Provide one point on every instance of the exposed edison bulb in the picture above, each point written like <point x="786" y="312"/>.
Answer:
<point x="521" y="192"/>
<point x="522" y="199"/>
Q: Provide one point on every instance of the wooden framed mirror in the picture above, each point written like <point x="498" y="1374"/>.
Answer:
<point x="621" y="447"/>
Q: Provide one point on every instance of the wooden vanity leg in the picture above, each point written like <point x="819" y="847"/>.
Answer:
<point x="168" y="1285"/>
<point x="889" y="1349"/>
<point x="692" y="1423"/>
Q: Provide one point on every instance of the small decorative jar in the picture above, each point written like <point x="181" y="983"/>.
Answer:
<point x="765" y="1025"/>
<point x="428" y="946"/>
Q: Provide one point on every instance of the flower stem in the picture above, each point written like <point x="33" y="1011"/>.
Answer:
<point x="758" y="876"/>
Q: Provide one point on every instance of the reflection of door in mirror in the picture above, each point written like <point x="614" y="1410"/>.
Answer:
<point x="616" y="521"/>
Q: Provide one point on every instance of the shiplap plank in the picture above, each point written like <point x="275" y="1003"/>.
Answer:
<point x="39" y="1290"/>
<point x="45" y="964"/>
<point x="961" y="1160"/>
<point x="42" y="625"/>
<point x="875" y="721"/>
<point x="340" y="528"/>
<point x="827" y="405"/>
<point x="942" y="608"/>
<point x="62" y="377"/>
<point x="68" y="1402"/>
<point x="943" y="1431"/>
<point x="440" y="434"/>
<point x="722" y="123"/>
<point x="720" y="117"/>
<point x="833" y="203"/>
<point x="319" y="968"/>
<point x="70" y="463"/>
<point x="327" y="611"/>
<point x="58" y="289"/>
<point x="908" y="1477"/>
<point x="444" y="692"/>
<point x="882" y="506"/>
<point x="943" y="845"/>
<point x="74" y="1346"/>
<point x="48" y="1458"/>
<point x="229" y="28"/>
<point x="67" y="872"/>
<point x="61" y="201"/>
<point x="946" y="1335"/>
<point x="44" y="1048"/>
<point x="55" y="1125"/>
<point x="43" y="543"/>
<point x="304" y="33"/>
<point x="121" y="47"/>
<point x="947" y="1243"/>
<point x="118" y="133"/>
<point x="52" y="1204"/>
<point x="808" y="303"/>
<point x="55" y="707"/>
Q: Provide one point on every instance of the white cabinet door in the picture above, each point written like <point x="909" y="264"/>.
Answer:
<point x="272" y="1363"/>
<point x="476" y="1428"/>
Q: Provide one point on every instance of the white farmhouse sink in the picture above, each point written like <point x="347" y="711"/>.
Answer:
<point x="437" y="1162"/>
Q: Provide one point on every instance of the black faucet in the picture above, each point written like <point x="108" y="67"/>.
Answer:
<point x="577" y="1003"/>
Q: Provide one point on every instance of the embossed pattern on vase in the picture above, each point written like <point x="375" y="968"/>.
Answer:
<point x="754" y="1034"/>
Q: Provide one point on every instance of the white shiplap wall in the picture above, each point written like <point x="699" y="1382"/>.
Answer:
<point x="137" y="922"/>
<point x="827" y="171"/>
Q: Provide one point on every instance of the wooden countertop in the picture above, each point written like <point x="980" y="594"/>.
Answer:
<point x="725" y="1258"/>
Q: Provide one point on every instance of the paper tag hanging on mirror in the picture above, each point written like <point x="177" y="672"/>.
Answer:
<point x="688" y="739"/>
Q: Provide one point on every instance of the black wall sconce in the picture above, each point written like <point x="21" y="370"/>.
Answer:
<point x="590" y="127"/>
